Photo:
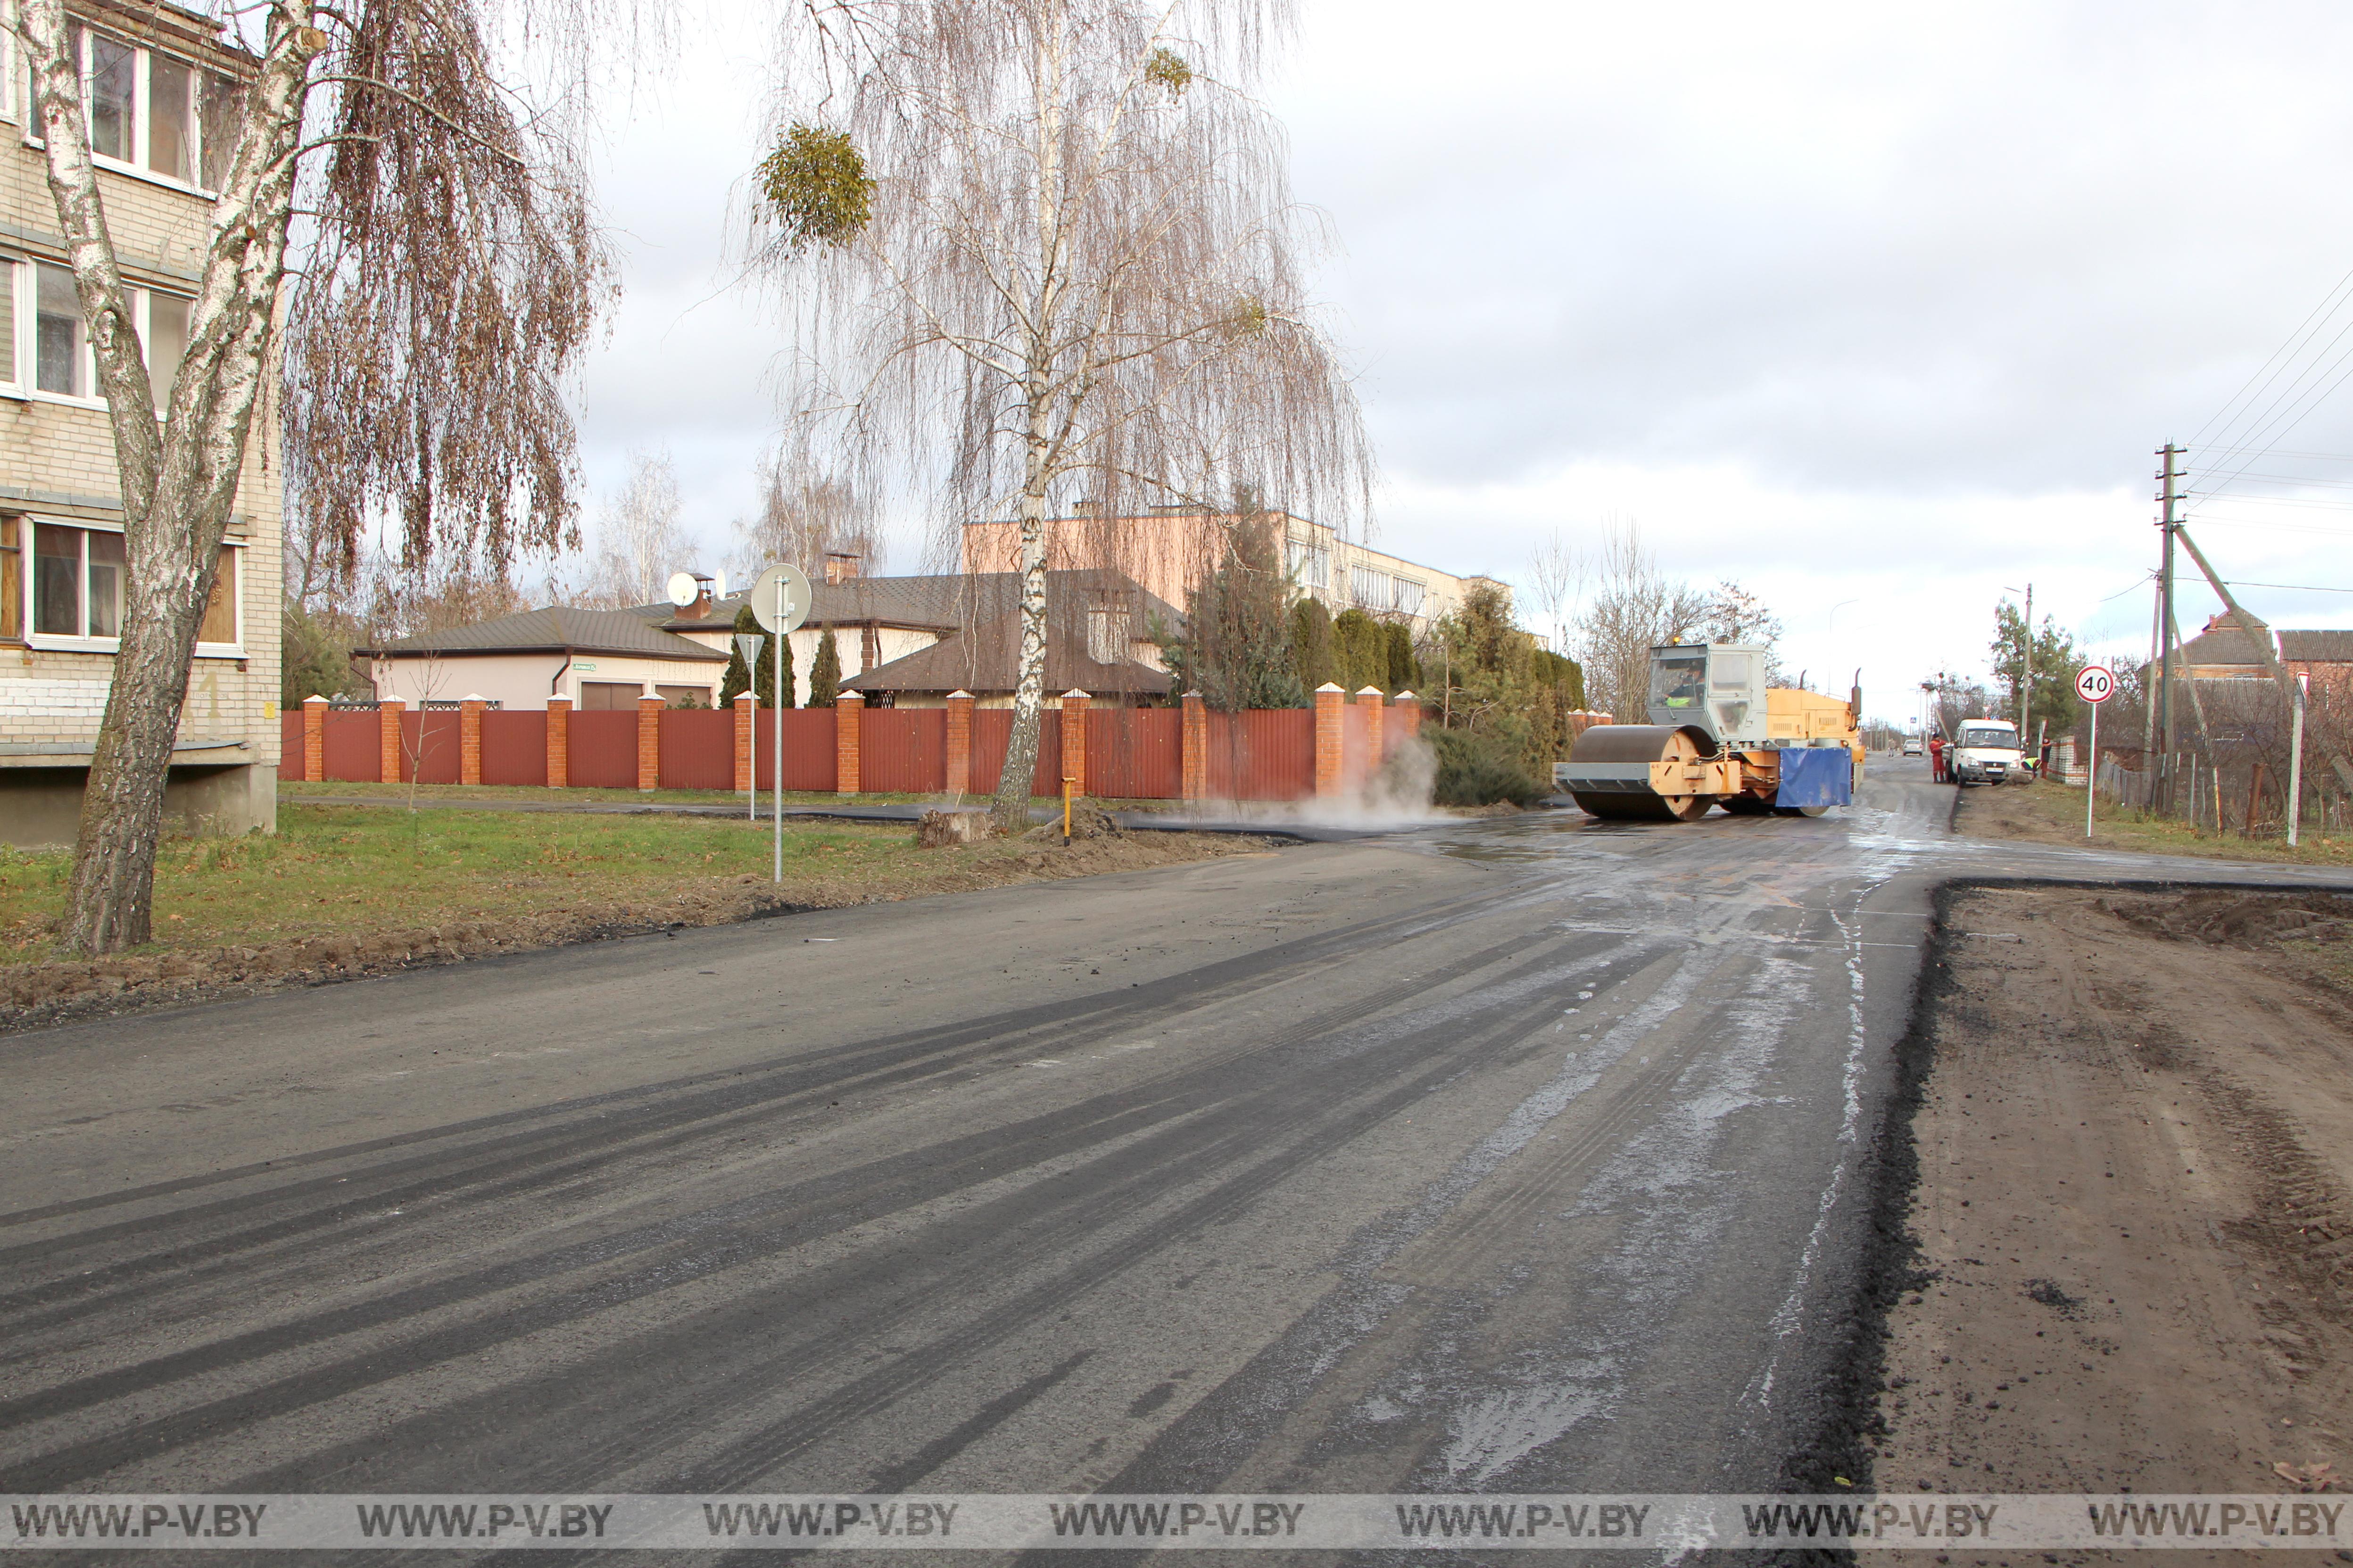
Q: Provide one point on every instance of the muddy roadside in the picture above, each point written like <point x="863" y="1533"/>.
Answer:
<point x="2126" y="1199"/>
<point x="38" y="994"/>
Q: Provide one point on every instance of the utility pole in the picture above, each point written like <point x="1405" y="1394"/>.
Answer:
<point x="2296" y="759"/>
<point x="2168" y="523"/>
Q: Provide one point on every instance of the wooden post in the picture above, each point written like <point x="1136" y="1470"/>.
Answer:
<point x="1331" y="748"/>
<point x="848" y="770"/>
<point x="314" y="738"/>
<point x="1195" y="755"/>
<point x="747" y="725"/>
<point x="387" y="734"/>
<point x="469" y="738"/>
<point x="1074" y="741"/>
<point x="2254" y="793"/>
<point x="959" y="779"/>
<point x="559" y="743"/>
<point x="649" y="712"/>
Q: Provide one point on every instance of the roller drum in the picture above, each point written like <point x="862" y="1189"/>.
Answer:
<point x="1603" y="776"/>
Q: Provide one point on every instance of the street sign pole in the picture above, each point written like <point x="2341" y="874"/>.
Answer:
<point x="2095" y="683"/>
<point x="780" y="599"/>
<point x="2092" y="772"/>
<point x="2295" y="760"/>
<point x="778" y="683"/>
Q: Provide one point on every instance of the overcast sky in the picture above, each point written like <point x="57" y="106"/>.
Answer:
<point x="1876" y="309"/>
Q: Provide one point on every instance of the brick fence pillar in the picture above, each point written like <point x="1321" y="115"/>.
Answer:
<point x="848" y="774"/>
<point x="1074" y="739"/>
<point x="1194" y="754"/>
<point x="959" y="742"/>
<point x="387" y="739"/>
<point x="1330" y="726"/>
<point x="747" y="727"/>
<point x="649" y="712"/>
<point x="1370" y="699"/>
<point x="314" y="738"/>
<point x="1403" y="721"/>
<point x="559" y="743"/>
<point x="469" y="738"/>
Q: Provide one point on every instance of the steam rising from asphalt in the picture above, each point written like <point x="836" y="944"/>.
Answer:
<point x="1397" y="794"/>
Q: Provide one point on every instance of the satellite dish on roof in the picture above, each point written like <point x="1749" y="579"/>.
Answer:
<point x="683" y="589"/>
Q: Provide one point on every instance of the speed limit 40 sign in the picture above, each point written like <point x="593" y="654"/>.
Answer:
<point x="2094" y="685"/>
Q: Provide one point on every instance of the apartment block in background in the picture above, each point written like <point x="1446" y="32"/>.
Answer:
<point x="160" y="89"/>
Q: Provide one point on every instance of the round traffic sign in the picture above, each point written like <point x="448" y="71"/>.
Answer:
<point x="2095" y="683"/>
<point x="780" y="598"/>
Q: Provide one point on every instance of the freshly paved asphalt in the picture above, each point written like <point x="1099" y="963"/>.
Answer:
<point x="1508" y="1155"/>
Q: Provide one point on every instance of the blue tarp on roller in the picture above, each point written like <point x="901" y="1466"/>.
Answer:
<point x="1816" y="775"/>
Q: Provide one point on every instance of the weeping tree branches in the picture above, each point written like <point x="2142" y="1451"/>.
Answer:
<point x="1050" y="254"/>
<point x="448" y="276"/>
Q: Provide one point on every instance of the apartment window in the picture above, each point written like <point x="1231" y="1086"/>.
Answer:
<point x="1408" y="596"/>
<point x="171" y="118"/>
<point x="62" y="362"/>
<point x="62" y="349"/>
<point x="1369" y="588"/>
<point x="78" y="577"/>
<point x="1311" y="564"/>
<point x="77" y="581"/>
<point x="12" y="580"/>
<point x="150" y="113"/>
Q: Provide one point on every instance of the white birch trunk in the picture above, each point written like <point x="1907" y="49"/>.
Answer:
<point x="1012" y="805"/>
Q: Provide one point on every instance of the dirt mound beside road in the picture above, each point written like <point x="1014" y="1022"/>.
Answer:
<point x="2223" y="916"/>
<point x="2134" y="1206"/>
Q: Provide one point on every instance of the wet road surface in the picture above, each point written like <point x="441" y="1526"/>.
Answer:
<point x="1514" y="1156"/>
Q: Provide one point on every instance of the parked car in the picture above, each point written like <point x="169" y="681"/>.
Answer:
<point x="1911" y="748"/>
<point x="1987" y="753"/>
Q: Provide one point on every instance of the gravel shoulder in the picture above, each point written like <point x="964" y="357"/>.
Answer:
<point x="2134" y="1207"/>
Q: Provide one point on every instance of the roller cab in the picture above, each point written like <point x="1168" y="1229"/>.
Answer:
<point x="1718" y="736"/>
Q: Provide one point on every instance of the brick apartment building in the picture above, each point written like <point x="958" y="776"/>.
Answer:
<point x="163" y="84"/>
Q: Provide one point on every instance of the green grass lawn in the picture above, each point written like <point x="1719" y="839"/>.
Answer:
<point x="2054" y="812"/>
<point x="330" y="870"/>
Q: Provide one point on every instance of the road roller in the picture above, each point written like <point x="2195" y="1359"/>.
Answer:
<point x="1719" y="736"/>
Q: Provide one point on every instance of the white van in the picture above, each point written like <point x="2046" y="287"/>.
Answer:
<point x="1986" y="751"/>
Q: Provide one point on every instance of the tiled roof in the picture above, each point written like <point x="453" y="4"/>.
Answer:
<point x="555" y="629"/>
<point x="987" y="657"/>
<point x="2225" y="642"/>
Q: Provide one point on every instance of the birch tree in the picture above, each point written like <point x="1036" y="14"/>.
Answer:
<point x="639" y="541"/>
<point x="448" y="276"/>
<point x="1045" y="250"/>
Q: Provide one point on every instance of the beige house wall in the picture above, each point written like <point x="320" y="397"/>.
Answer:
<point x="1168" y="553"/>
<point x="57" y="461"/>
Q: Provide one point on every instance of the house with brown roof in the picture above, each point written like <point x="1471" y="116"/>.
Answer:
<point x="597" y="659"/>
<point x="897" y="637"/>
<point x="2224" y="649"/>
<point x="1100" y="629"/>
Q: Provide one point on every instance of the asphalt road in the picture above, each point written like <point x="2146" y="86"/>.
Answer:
<point x="1512" y="1155"/>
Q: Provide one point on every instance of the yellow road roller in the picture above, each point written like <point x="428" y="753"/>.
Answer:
<point x="1719" y="736"/>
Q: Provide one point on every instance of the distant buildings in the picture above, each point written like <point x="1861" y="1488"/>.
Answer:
<point x="1167" y="550"/>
